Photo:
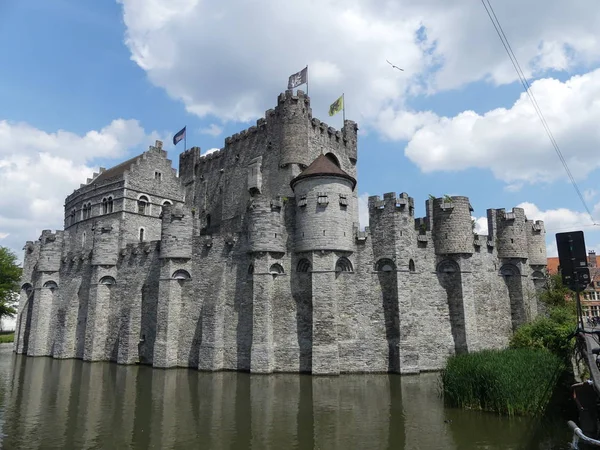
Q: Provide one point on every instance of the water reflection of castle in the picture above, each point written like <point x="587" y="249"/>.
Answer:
<point x="252" y="259"/>
<point x="48" y="403"/>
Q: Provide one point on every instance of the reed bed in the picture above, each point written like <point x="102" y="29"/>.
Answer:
<point x="509" y="382"/>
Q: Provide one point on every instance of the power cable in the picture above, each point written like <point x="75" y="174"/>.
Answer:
<point x="529" y="92"/>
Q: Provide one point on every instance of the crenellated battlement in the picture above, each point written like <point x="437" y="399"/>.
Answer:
<point x="392" y="201"/>
<point x="253" y="259"/>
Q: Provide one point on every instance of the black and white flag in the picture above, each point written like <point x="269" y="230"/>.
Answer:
<point x="298" y="78"/>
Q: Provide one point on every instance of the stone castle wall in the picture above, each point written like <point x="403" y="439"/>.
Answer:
<point x="243" y="270"/>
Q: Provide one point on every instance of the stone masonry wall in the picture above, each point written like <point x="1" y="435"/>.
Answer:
<point x="236" y="275"/>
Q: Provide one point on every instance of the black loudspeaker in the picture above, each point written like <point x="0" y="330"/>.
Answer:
<point x="572" y="258"/>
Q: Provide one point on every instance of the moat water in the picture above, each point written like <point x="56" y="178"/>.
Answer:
<point x="70" y="404"/>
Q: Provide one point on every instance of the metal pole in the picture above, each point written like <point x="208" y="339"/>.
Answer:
<point x="307" y="80"/>
<point x="343" y="110"/>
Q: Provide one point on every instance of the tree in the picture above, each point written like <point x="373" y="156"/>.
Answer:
<point x="10" y="275"/>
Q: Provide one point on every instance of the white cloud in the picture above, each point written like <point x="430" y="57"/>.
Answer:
<point x="441" y="45"/>
<point x="481" y="225"/>
<point x="213" y="129"/>
<point x="210" y="150"/>
<point x="39" y="169"/>
<point x="363" y="210"/>
<point x="512" y="142"/>
<point x="557" y="220"/>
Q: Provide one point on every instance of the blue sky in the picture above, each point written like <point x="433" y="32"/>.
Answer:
<point x="89" y="84"/>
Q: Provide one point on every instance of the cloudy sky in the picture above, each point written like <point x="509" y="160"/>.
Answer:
<point x="89" y="84"/>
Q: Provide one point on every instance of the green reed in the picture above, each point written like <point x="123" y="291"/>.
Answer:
<point x="510" y="382"/>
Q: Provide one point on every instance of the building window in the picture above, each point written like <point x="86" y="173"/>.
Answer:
<point x="141" y="235"/>
<point x="166" y="202"/>
<point x="302" y="201"/>
<point x="83" y="240"/>
<point x="385" y="265"/>
<point x="158" y="176"/>
<point x="104" y="206"/>
<point x="87" y="211"/>
<point x="107" y="281"/>
<point x="276" y="269"/>
<point x="303" y="265"/>
<point x="343" y="200"/>
<point x="411" y="265"/>
<point x="109" y="205"/>
<point x="322" y="198"/>
<point x="343" y="265"/>
<point x="181" y="275"/>
<point x="143" y="205"/>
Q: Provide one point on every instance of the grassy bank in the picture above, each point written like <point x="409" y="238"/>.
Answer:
<point x="511" y="382"/>
<point x="7" y="338"/>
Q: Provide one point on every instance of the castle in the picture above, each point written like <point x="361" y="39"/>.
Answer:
<point x="252" y="259"/>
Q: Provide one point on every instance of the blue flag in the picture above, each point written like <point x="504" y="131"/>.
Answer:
<point x="179" y="136"/>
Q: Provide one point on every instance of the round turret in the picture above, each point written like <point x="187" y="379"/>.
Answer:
<point x="452" y="226"/>
<point x="511" y="235"/>
<point x="265" y="226"/>
<point x="536" y="243"/>
<point x="293" y="115"/>
<point x="323" y="200"/>
<point x="176" y="232"/>
<point x="50" y="251"/>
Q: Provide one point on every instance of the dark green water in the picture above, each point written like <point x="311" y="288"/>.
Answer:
<point x="47" y="404"/>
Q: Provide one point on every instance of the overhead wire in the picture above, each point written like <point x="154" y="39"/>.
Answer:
<point x="500" y="31"/>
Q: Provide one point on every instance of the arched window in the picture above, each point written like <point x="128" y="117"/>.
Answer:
<point x="411" y="265"/>
<point x="251" y="269"/>
<point x="28" y="288"/>
<point x="303" y="265"/>
<point x="207" y="221"/>
<point x="104" y="206"/>
<point x="537" y="275"/>
<point x="166" y="202"/>
<point x="51" y="285"/>
<point x="87" y="209"/>
<point x="107" y="281"/>
<point x="181" y="275"/>
<point x="84" y="212"/>
<point x="143" y="205"/>
<point x="448" y="266"/>
<point x="141" y="235"/>
<point x="333" y="159"/>
<point x="385" y="265"/>
<point x="509" y="270"/>
<point x="110" y="205"/>
<point x="276" y="269"/>
<point x="343" y="265"/>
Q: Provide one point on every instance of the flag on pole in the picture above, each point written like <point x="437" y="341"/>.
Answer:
<point x="179" y="136"/>
<point x="298" y="78"/>
<point x="337" y="106"/>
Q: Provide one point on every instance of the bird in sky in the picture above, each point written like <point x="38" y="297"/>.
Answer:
<point x="395" y="67"/>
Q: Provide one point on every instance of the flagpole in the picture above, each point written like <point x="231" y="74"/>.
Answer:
<point x="307" y="80"/>
<point x="185" y="139"/>
<point x="343" y="110"/>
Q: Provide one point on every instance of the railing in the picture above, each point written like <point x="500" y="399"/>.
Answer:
<point x="579" y="436"/>
<point x="588" y="341"/>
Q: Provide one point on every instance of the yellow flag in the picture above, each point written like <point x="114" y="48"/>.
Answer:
<point x="337" y="106"/>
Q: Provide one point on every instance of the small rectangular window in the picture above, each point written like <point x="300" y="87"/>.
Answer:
<point x="343" y="200"/>
<point x="322" y="198"/>
<point x="157" y="176"/>
<point x="302" y="201"/>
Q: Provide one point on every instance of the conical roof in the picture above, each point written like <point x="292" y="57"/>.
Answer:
<point x="322" y="166"/>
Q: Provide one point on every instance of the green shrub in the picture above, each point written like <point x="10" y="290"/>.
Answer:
<point x="551" y="333"/>
<point x="512" y="382"/>
<point x="7" y="338"/>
